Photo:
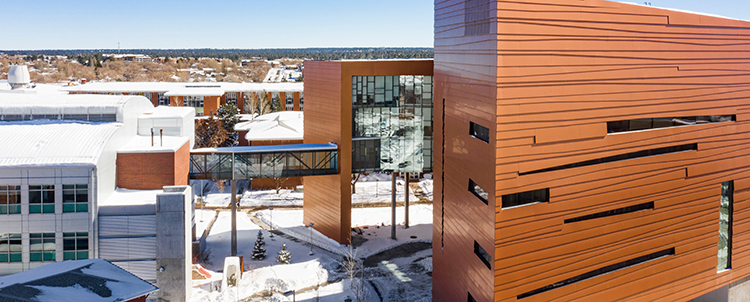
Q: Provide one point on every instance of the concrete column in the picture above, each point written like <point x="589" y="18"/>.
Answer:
<point x="406" y="200"/>
<point x="174" y="252"/>
<point x="393" y="205"/>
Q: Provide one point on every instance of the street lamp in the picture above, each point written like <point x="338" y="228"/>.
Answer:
<point x="311" y="225"/>
<point x="271" y="235"/>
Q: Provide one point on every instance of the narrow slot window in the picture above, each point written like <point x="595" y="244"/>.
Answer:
<point x="656" y="123"/>
<point x="620" y="211"/>
<point x="616" y="158"/>
<point x="525" y="198"/>
<point x="442" y="178"/>
<point x="480" y="193"/>
<point x="599" y="272"/>
<point x="483" y="255"/>
<point x="725" y="226"/>
<point x="479" y="131"/>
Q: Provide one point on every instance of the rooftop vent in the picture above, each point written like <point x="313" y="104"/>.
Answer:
<point x="18" y="77"/>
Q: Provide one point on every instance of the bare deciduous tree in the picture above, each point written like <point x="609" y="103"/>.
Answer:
<point x="355" y="178"/>
<point x="354" y="269"/>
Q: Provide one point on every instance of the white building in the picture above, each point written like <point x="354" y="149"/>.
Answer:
<point x="62" y="160"/>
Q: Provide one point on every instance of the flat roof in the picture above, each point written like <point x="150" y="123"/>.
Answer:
<point x="169" y="112"/>
<point x="284" y="125"/>
<point x="275" y="148"/>
<point x="180" y="88"/>
<point x="195" y="91"/>
<point x="164" y="144"/>
<point x="16" y="103"/>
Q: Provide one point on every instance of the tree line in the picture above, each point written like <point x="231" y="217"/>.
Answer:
<point x="240" y="54"/>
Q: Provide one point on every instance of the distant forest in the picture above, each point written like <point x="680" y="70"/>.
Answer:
<point x="238" y="54"/>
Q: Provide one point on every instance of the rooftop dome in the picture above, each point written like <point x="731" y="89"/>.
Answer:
<point x="18" y="76"/>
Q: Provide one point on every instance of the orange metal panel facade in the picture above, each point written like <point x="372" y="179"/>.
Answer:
<point x="211" y="104"/>
<point x="328" y="118"/>
<point x="545" y="77"/>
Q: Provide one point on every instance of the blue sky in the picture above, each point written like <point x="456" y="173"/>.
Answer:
<point x="243" y="23"/>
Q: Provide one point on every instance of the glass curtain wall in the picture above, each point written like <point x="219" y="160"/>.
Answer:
<point x="398" y="110"/>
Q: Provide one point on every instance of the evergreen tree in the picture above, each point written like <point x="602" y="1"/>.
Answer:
<point x="284" y="256"/>
<point x="227" y="113"/>
<point x="259" y="253"/>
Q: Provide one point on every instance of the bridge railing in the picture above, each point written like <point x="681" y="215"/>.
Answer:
<point x="264" y="161"/>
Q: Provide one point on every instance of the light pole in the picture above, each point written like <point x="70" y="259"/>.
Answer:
<point x="271" y="234"/>
<point x="311" y="225"/>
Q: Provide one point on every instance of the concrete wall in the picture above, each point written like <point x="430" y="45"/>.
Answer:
<point x="174" y="217"/>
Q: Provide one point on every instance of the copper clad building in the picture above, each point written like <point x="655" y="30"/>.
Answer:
<point x="589" y="150"/>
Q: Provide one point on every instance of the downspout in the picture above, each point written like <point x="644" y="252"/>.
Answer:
<point x="94" y="210"/>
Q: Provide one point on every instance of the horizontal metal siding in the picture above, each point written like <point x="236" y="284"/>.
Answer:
<point x="127" y="248"/>
<point x="127" y="225"/>
<point x="145" y="270"/>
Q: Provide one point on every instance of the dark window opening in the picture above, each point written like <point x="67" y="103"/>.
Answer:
<point x="600" y="271"/>
<point x="655" y="123"/>
<point x="480" y="193"/>
<point x="442" y="179"/>
<point x="725" y="226"/>
<point x="476" y="17"/>
<point x="620" y="211"/>
<point x="483" y="255"/>
<point x="524" y="198"/>
<point x="471" y="299"/>
<point x="621" y="157"/>
<point x="479" y="131"/>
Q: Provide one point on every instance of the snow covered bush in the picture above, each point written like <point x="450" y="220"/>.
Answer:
<point x="284" y="256"/>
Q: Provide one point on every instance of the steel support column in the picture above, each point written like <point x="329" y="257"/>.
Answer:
<point x="233" y="201"/>
<point x="393" y="205"/>
<point x="406" y="200"/>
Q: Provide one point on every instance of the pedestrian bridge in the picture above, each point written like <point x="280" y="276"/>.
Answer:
<point x="228" y="163"/>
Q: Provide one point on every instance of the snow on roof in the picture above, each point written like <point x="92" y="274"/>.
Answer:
<point x="169" y="112"/>
<point x="131" y="202"/>
<point x="195" y="91"/>
<point x="285" y="125"/>
<point x="167" y="87"/>
<point x="53" y="143"/>
<point x="13" y="103"/>
<point x="81" y="280"/>
<point x="143" y="144"/>
<point x="274" y="148"/>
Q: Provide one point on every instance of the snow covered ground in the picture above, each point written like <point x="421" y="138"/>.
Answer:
<point x="305" y="271"/>
<point x="396" y="270"/>
<point x="391" y="276"/>
<point x="371" y="189"/>
<point x="374" y="222"/>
